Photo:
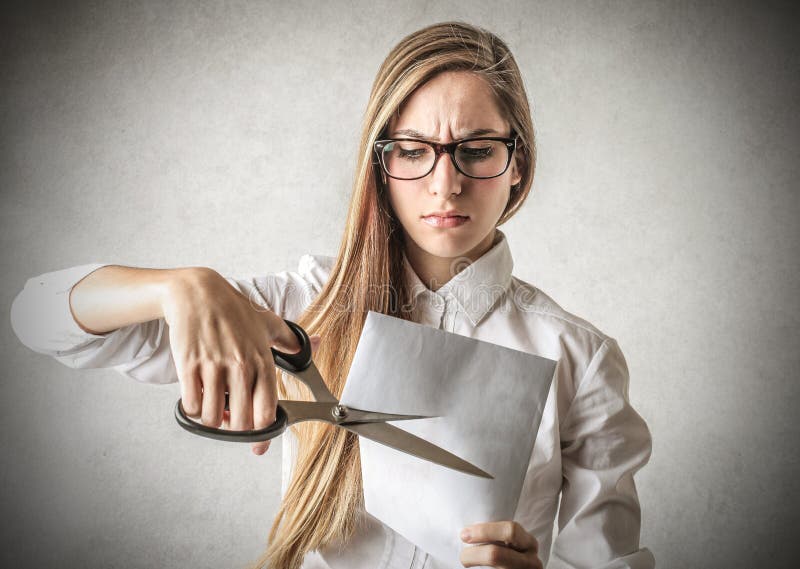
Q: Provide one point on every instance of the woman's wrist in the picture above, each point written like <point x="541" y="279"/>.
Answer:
<point x="174" y="284"/>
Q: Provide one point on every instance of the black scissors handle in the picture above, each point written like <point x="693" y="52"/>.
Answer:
<point x="294" y="362"/>
<point x="289" y="362"/>
<point x="253" y="436"/>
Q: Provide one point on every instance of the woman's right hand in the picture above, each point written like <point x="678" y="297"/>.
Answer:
<point x="220" y="342"/>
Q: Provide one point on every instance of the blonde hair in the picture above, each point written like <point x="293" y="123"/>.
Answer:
<point x="323" y="499"/>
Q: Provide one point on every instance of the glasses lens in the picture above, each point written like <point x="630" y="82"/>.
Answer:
<point x="482" y="158"/>
<point x="407" y="158"/>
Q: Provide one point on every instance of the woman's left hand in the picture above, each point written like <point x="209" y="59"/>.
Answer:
<point x="505" y="545"/>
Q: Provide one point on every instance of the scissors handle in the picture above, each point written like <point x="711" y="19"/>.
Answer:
<point x="294" y="363"/>
<point x="252" y="436"/>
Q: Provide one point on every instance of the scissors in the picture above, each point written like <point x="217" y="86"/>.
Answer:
<point x="327" y="408"/>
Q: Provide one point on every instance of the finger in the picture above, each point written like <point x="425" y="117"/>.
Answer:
<point x="264" y="402"/>
<point x="283" y="337"/>
<point x="188" y="371"/>
<point x="191" y="389"/>
<point x="498" y="556"/>
<point x="509" y="533"/>
<point x="261" y="447"/>
<point x="240" y="386"/>
<point x="212" y="377"/>
<point x="315" y="342"/>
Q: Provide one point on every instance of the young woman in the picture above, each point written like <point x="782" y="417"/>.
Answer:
<point x="446" y="156"/>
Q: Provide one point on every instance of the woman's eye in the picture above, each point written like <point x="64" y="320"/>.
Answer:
<point x="474" y="154"/>
<point x="411" y="154"/>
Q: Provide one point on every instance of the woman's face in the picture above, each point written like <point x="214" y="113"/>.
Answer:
<point x="451" y="106"/>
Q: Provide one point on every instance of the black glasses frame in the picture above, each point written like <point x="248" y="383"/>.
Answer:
<point x="449" y="148"/>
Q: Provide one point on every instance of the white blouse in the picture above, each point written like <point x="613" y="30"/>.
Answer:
<point x="590" y="441"/>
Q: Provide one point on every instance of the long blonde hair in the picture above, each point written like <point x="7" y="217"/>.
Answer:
<point x="323" y="499"/>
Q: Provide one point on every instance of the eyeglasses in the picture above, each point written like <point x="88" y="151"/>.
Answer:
<point x="411" y="159"/>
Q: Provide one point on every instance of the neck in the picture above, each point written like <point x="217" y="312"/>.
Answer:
<point x="436" y="271"/>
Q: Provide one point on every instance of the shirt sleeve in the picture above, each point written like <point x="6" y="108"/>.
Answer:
<point x="604" y="442"/>
<point x="287" y="293"/>
<point x="42" y="320"/>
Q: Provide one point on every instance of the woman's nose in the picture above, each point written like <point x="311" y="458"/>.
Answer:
<point x="445" y="179"/>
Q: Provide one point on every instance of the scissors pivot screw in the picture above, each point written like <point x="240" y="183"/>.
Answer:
<point x="339" y="411"/>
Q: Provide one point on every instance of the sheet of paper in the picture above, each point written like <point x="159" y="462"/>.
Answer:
<point x="488" y="400"/>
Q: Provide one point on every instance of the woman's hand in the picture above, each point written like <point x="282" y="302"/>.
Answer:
<point x="504" y="545"/>
<point x="261" y="448"/>
<point x="220" y="342"/>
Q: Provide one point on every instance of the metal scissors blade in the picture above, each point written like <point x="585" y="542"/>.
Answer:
<point x="327" y="408"/>
<point x="372" y="425"/>
<point x="337" y="414"/>
<point x="404" y="441"/>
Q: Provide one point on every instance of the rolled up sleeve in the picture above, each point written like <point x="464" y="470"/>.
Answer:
<point x="41" y="317"/>
<point x="604" y="443"/>
<point x="43" y="321"/>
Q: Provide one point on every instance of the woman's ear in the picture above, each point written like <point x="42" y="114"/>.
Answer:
<point x="517" y="166"/>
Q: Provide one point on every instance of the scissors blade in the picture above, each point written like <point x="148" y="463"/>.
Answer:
<point x="313" y="380"/>
<point x="359" y="416"/>
<point x="404" y="441"/>
<point x="298" y="411"/>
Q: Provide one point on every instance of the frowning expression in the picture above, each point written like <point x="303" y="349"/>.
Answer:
<point x="447" y="214"/>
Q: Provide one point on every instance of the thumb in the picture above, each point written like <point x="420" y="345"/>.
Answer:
<point x="315" y="342"/>
<point x="284" y="338"/>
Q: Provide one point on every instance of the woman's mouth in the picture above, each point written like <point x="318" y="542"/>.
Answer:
<point x="445" y="220"/>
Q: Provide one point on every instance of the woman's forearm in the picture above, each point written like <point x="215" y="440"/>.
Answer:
<point x="115" y="296"/>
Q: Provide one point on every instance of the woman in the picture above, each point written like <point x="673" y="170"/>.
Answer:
<point x="446" y="156"/>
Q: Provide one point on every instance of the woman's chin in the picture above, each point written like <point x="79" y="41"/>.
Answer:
<point x="449" y="247"/>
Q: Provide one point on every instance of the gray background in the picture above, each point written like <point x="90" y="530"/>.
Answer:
<point x="174" y="134"/>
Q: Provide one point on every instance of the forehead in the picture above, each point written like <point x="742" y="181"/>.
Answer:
<point x="451" y="102"/>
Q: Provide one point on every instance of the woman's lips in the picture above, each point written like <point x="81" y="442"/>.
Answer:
<point x="445" y="221"/>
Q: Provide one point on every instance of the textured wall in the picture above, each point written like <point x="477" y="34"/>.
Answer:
<point x="223" y="134"/>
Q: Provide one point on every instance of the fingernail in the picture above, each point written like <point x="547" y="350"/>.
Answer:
<point x="465" y="535"/>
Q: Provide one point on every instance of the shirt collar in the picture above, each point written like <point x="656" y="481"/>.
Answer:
<point x="477" y="287"/>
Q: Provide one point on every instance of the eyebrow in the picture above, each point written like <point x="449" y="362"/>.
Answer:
<point x="466" y="134"/>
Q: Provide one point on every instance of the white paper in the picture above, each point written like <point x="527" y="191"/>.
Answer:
<point x="488" y="400"/>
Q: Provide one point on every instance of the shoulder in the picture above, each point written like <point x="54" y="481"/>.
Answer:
<point x="535" y="304"/>
<point x="548" y="329"/>
<point x="289" y="292"/>
<point x="315" y="269"/>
